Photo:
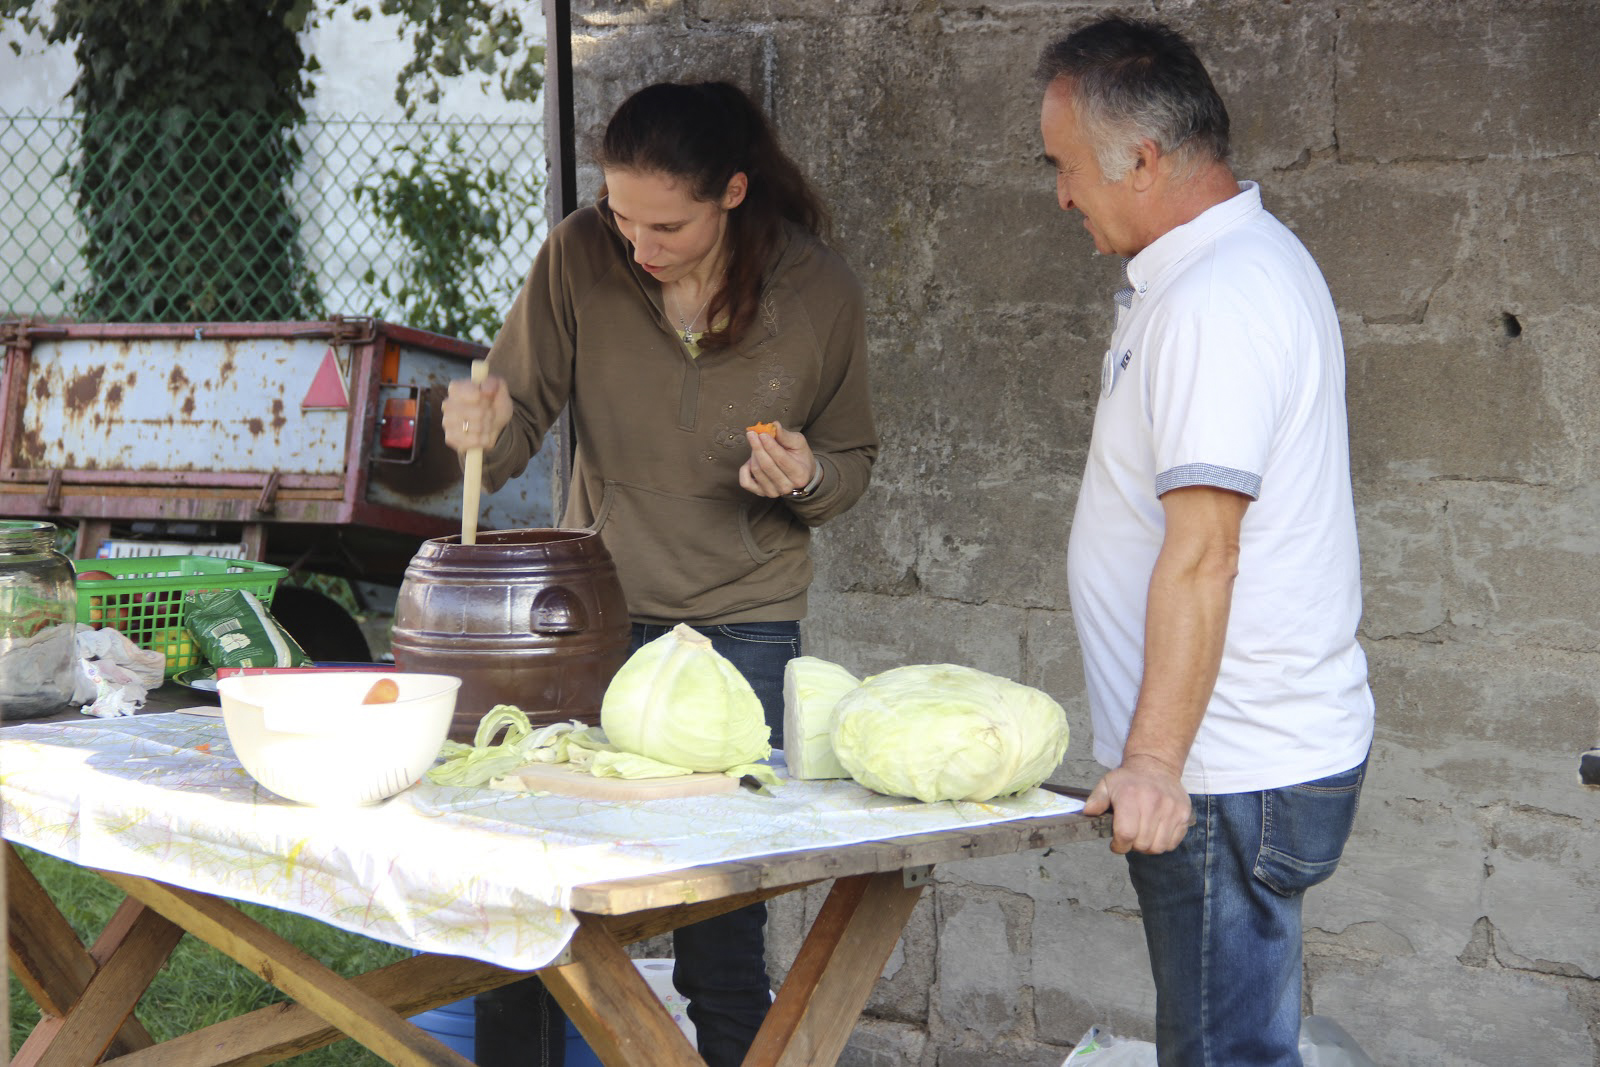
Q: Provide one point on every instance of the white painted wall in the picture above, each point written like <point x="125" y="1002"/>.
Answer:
<point x="359" y="60"/>
<point x="36" y="81"/>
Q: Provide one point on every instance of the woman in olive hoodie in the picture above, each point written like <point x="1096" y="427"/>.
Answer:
<point x="694" y="300"/>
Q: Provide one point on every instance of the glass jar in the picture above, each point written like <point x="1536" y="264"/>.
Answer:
<point x="38" y="622"/>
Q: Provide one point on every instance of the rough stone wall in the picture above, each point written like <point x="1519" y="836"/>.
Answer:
<point x="1439" y="158"/>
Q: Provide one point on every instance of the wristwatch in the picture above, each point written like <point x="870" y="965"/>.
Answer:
<point x="811" y="486"/>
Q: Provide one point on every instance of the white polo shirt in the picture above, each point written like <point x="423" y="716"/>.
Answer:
<point x="1227" y="370"/>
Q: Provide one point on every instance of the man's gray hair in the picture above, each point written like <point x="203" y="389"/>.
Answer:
<point x="1133" y="80"/>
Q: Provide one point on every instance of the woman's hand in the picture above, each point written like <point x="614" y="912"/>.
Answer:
<point x="779" y="462"/>
<point x="474" y="413"/>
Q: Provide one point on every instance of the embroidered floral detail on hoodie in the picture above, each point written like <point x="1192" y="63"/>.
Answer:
<point x="773" y="386"/>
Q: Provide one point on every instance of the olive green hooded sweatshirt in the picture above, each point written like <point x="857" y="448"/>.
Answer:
<point x="660" y="434"/>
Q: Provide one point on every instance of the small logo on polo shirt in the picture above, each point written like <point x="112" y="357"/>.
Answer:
<point x="1112" y="369"/>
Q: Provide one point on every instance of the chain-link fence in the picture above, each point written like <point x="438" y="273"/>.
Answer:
<point x="181" y="216"/>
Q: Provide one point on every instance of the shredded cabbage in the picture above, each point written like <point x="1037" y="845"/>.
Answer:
<point x="676" y="707"/>
<point x="943" y="732"/>
<point x="477" y="763"/>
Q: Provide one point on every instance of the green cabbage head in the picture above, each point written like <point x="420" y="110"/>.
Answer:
<point x="943" y="732"/>
<point x="811" y="689"/>
<point x="677" y="700"/>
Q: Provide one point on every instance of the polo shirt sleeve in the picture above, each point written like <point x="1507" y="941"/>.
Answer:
<point x="1215" y="391"/>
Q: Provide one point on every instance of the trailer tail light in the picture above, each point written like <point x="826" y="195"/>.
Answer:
<point x="389" y="372"/>
<point x="397" y="431"/>
<point x="402" y="424"/>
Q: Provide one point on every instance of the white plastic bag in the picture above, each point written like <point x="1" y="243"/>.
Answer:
<point x="1323" y="1043"/>
<point x="1099" y="1048"/>
<point x="114" y="674"/>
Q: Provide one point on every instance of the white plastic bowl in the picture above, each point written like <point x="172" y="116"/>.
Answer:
<point x="308" y="737"/>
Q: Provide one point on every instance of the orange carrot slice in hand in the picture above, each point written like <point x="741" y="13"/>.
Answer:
<point x="383" y="691"/>
<point x="768" y="428"/>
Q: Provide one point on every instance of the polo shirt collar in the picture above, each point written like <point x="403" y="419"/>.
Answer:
<point x="1171" y="247"/>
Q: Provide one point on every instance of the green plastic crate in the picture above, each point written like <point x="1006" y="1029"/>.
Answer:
<point x="145" y="597"/>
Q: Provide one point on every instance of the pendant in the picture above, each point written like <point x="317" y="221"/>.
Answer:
<point x="688" y="338"/>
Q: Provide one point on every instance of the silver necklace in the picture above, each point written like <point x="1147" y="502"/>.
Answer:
<point x="687" y="335"/>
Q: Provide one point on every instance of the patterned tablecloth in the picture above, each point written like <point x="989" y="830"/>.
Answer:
<point x="467" y="872"/>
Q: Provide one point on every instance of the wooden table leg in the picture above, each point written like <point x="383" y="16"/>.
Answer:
<point x="607" y="998"/>
<point x="133" y="947"/>
<point x="276" y="1032"/>
<point x="833" y="974"/>
<point x="613" y="1006"/>
<point x="46" y="956"/>
<point x="285" y="966"/>
<point x="417" y="983"/>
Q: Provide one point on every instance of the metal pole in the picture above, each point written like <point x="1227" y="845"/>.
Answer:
<point x="561" y="198"/>
<point x="559" y="125"/>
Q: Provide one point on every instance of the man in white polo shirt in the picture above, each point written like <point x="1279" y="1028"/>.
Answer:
<point x="1213" y="567"/>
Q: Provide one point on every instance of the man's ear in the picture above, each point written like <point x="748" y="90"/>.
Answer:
<point x="1147" y="163"/>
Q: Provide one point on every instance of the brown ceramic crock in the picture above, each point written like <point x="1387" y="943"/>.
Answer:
<point x="534" y="618"/>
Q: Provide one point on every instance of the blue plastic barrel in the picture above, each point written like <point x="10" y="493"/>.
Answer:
<point x="453" y="1024"/>
<point x="579" y="1054"/>
<point x="456" y="1025"/>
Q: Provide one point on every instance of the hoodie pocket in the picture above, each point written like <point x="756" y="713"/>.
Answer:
<point x="677" y="551"/>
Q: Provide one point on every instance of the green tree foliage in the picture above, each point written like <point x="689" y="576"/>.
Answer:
<point x="454" y="37"/>
<point x="189" y="109"/>
<point x="187" y="219"/>
<point x="448" y="37"/>
<point x="452" y="217"/>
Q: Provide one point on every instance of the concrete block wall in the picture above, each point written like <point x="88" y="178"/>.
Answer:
<point x="1439" y="158"/>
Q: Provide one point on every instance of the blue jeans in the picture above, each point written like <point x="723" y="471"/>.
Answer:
<point x="721" y="966"/>
<point x="1222" y="919"/>
<point x="720" y="963"/>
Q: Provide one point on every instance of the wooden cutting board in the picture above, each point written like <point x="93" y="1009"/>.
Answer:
<point x="562" y="778"/>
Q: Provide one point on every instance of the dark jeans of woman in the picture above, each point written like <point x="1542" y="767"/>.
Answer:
<point x="720" y="963"/>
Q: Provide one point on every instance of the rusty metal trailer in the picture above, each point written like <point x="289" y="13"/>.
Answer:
<point x="313" y="444"/>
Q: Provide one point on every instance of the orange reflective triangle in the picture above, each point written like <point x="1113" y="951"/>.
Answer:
<point x="327" y="388"/>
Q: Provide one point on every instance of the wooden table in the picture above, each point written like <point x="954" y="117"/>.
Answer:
<point x="87" y="993"/>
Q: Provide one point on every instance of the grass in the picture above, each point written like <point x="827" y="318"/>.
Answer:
<point x="199" y="985"/>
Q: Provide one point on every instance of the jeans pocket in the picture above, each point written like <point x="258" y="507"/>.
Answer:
<point x="763" y="633"/>
<point x="1304" y="829"/>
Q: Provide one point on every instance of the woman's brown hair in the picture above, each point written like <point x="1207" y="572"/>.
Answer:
<point x="703" y="134"/>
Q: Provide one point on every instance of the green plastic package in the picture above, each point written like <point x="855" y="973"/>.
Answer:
<point x="234" y="629"/>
